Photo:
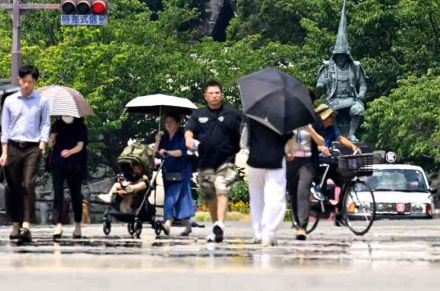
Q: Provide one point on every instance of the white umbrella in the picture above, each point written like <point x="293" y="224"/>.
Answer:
<point x="65" y="101"/>
<point x="159" y="104"/>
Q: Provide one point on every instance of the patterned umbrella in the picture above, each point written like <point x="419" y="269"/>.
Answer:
<point x="65" y="101"/>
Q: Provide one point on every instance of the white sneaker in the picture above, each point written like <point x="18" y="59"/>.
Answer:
<point x="218" y="231"/>
<point x="317" y="193"/>
<point x="58" y="231"/>
<point x="210" y="237"/>
<point x="105" y="197"/>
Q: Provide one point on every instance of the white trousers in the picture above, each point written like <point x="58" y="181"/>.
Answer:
<point x="267" y="190"/>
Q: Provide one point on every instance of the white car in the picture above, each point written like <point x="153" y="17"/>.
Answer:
<point x="400" y="191"/>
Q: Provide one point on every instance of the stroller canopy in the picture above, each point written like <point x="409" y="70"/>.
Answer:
<point x="138" y="154"/>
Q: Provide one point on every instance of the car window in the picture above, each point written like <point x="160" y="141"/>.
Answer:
<point x="407" y="180"/>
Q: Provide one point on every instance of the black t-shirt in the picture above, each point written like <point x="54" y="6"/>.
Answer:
<point x="219" y="134"/>
<point x="266" y="147"/>
<point x="68" y="135"/>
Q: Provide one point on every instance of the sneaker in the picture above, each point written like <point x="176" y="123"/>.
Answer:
<point x="301" y="234"/>
<point x="166" y="228"/>
<point x="218" y="232"/>
<point x="77" y="231"/>
<point x="25" y="235"/>
<point x="337" y="218"/>
<point x="317" y="193"/>
<point x="105" y="197"/>
<point x="186" y="231"/>
<point x="15" y="233"/>
<point x="14" y="236"/>
<point x="210" y="238"/>
<point x="58" y="232"/>
<point x="256" y="241"/>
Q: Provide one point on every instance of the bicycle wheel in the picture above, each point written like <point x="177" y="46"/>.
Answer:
<point x="359" y="207"/>
<point x="311" y="225"/>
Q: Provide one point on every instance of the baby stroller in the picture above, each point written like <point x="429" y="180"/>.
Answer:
<point x="143" y="210"/>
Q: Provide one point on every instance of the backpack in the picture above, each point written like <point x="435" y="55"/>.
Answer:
<point x="140" y="154"/>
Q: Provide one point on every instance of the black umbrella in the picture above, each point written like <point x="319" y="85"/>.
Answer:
<point x="276" y="100"/>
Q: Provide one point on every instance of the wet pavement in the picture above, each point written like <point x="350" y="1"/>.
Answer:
<point x="393" y="255"/>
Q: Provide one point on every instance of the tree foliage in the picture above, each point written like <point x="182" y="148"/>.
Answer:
<point x="407" y="120"/>
<point x="153" y="46"/>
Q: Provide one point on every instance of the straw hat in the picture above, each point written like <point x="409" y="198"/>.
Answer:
<point x="324" y="111"/>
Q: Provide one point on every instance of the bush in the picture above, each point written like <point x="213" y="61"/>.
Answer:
<point x="240" y="206"/>
<point x="238" y="199"/>
<point x="239" y="192"/>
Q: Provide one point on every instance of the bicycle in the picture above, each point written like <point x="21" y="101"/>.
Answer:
<point x="356" y="206"/>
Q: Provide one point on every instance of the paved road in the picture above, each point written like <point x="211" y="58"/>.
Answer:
<point x="394" y="255"/>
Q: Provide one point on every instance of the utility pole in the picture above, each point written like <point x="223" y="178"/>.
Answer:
<point x="17" y="10"/>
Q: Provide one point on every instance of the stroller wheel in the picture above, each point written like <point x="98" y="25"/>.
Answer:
<point x="138" y="228"/>
<point x="157" y="227"/>
<point x="130" y="228"/>
<point x="107" y="227"/>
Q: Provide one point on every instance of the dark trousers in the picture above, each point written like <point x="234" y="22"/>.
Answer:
<point x="74" y="179"/>
<point x="21" y="173"/>
<point x="300" y="175"/>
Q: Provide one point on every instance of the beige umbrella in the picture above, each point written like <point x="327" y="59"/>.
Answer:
<point x="65" y="101"/>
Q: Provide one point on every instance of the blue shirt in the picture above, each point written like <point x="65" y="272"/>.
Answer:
<point x="176" y="164"/>
<point x="331" y="134"/>
<point x="25" y="119"/>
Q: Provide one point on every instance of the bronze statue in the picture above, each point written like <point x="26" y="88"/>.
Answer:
<point x="342" y="80"/>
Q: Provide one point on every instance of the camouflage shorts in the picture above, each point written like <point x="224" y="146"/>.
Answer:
<point x="217" y="182"/>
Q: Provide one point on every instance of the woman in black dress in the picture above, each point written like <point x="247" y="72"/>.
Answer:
<point x="68" y="140"/>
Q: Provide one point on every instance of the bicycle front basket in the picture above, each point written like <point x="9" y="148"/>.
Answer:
<point x="358" y="165"/>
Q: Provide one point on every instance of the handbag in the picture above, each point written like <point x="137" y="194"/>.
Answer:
<point x="173" y="177"/>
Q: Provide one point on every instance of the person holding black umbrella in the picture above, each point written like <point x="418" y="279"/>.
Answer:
<point x="267" y="180"/>
<point x="217" y="128"/>
<point x="275" y="104"/>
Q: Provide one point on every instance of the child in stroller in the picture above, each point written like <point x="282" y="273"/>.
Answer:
<point x="128" y="197"/>
<point x="128" y="185"/>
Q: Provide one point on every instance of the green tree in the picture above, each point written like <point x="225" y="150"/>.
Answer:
<point x="142" y="52"/>
<point x="408" y="120"/>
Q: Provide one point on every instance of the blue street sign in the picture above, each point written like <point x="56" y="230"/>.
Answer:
<point x="88" y="19"/>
